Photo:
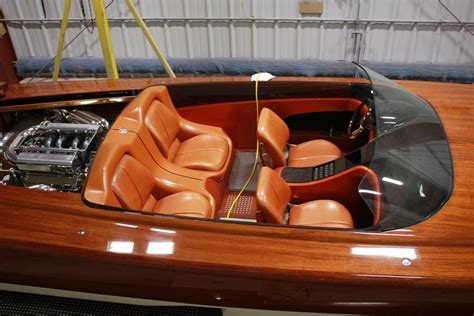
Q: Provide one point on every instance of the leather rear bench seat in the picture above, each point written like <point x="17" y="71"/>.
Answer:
<point x="125" y="175"/>
<point x="178" y="145"/>
<point x="136" y="189"/>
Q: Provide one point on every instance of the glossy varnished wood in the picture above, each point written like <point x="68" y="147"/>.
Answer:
<point x="252" y="266"/>
<point x="22" y="91"/>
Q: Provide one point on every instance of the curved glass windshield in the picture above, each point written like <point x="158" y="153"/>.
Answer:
<point x="411" y="158"/>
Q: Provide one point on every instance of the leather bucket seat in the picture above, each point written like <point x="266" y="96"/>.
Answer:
<point x="178" y="145"/>
<point x="125" y="175"/>
<point x="274" y="194"/>
<point x="136" y="189"/>
<point x="273" y="134"/>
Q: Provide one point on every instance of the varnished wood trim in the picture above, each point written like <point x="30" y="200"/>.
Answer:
<point x="3" y="88"/>
<point x="66" y="103"/>
<point x="23" y="91"/>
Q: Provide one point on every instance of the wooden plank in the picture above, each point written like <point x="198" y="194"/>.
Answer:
<point x="311" y="7"/>
<point x="42" y="89"/>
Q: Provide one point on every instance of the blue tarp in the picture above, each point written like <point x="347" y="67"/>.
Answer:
<point x="142" y="67"/>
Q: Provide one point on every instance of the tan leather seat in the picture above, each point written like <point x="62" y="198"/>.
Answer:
<point x="136" y="189"/>
<point x="274" y="194"/>
<point x="178" y="145"/>
<point x="321" y="213"/>
<point x="125" y="175"/>
<point x="201" y="152"/>
<point x="274" y="134"/>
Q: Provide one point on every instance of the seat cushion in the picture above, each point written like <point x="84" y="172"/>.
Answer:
<point x="186" y="203"/>
<point x="321" y="213"/>
<point x="312" y="153"/>
<point x="203" y="152"/>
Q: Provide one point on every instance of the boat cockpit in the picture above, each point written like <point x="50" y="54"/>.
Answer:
<point x="154" y="159"/>
<point x="329" y="153"/>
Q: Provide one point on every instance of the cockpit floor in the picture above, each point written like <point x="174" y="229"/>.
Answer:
<point x="244" y="209"/>
<point x="241" y="169"/>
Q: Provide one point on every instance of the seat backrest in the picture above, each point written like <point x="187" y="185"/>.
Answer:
<point x="163" y="125"/>
<point x="116" y="160"/>
<point x="153" y="109"/>
<point x="132" y="184"/>
<point x="273" y="195"/>
<point x="124" y="174"/>
<point x="273" y="133"/>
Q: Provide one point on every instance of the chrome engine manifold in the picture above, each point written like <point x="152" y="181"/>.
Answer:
<point x="55" y="155"/>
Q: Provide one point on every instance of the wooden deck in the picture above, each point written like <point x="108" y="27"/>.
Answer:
<point x="242" y="265"/>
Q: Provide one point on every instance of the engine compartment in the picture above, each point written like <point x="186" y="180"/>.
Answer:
<point x="53" y="153"/>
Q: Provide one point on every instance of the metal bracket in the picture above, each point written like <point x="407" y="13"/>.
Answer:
<point x="102" y="22"/>
<point x="356" y="49"/>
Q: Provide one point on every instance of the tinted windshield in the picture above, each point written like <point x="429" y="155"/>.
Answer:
<point x="411" y="157"/>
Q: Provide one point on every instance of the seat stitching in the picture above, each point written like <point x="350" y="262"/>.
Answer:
<point x="164" y="127"/>
<point x="274" y="192"/>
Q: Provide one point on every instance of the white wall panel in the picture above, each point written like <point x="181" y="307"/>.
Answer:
<point x="393" y="30"/>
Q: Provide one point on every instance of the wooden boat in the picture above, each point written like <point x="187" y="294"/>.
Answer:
<point x="102" y="196"/>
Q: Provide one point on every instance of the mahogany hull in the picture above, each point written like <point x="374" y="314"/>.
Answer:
<point x="54" y="240"/>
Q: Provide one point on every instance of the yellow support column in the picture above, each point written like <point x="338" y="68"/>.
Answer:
<point x="59" y="51"/>
<point x="147" y="34"/>
<point x="105" y="40"/>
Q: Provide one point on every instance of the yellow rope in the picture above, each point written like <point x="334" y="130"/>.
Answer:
<point x="234" y="203"/>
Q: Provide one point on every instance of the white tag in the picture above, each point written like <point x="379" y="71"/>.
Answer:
<point x="262" y="76"/>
